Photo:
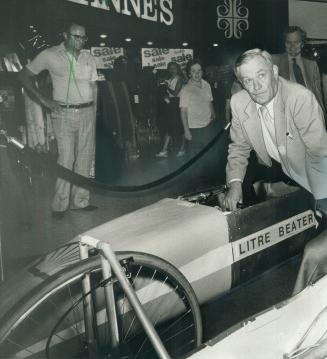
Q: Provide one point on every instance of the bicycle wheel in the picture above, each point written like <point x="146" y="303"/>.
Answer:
<point x="49" y="322"/>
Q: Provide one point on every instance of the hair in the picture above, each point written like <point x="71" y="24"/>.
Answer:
<point x="69" y="25"/>
<point x="291" y="29"/>
<point x="179" y="70"/>
<point x="192" y="63"/>
<point x="249" y="55"/>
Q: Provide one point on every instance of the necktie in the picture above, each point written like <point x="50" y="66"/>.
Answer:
<point x="265" y="114"/>
<point x="298" y="73"/>
<point x="268" y="122"/>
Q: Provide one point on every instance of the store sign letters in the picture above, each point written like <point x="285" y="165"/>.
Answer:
<point x="151" y="10"/>
<point x="272" y="235"/>
<point x="105" y="56"/>
<point x="159" y="58"/>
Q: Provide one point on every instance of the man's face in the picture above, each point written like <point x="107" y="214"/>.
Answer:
<point x="293" y="43"/>
<point x="260" y="79"/>
<point x="196" y="72"/>
<point x="75" y="38"/>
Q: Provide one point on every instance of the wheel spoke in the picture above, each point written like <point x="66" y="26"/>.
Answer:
<point x="57" y="312"/>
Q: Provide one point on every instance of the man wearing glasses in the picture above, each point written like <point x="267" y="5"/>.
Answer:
<point x="292" y="66"/>
<point x="73" y="109"/>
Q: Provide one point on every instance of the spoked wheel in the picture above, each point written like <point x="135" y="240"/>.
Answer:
<point x="50" y="322"/>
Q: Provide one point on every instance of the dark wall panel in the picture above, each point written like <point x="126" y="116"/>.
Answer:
<point x="244" y="24"/>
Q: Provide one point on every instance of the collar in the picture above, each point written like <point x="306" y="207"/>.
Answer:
<point x="192" y="83"/>
<point x="298" y="58"/>
<point x="62" y="48"/>
<point x="269" y="106"/>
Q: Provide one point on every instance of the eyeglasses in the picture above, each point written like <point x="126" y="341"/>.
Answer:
<point x="79" y="37"/>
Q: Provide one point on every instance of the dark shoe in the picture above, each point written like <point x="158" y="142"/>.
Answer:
<point x="88" y="208"/>
<point x="58" y="214"/>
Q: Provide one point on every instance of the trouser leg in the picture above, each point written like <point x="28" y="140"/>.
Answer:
<point x="321" y="205"/>
<point x="314" y="262"/>
<point x="84" y="155"/>
<point x="201" y="137"/>
<point x="64" y="133"/>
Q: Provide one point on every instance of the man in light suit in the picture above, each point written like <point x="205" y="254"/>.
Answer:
<point x="292" y="66"/>
<point x="282" y="122"/>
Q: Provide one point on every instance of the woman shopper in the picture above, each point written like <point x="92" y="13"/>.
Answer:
<point x="173" y="122"/>
<point x="197" y="111"/>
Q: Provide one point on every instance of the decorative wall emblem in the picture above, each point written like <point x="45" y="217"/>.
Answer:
<point x="233" y="18"/>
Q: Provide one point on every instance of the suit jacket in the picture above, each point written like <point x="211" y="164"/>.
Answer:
<point x="311" y="70"/>
<point x="300" y="135"/>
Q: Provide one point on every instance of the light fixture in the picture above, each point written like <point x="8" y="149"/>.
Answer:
<point x="34" y="30"/>
<point x="102" y="44"/>
<point x="128" y="39"/>
<point x="215" y="44"/>
<point x="149" y="43"/>
<point x="103" y="36"/>
<point x="185" y="44"/>
<point x="31" y="26"/>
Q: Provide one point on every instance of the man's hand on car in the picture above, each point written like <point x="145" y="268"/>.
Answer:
<point x="233" y="196"/>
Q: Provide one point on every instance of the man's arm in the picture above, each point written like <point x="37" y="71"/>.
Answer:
<point x="309" y="120"/>
<point x="27" y="78"/>
<point x="238" y="154"/>
<point x="177" y="88"/>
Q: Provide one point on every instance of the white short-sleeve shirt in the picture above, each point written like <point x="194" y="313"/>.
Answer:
<point x="197" y="102"/>
<point x="71" y="78"/>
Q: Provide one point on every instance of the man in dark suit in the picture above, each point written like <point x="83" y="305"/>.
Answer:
<point x="292" y="66"/>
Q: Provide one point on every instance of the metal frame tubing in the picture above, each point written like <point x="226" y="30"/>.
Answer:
<point x="134" y="301"/>
<point x="88" y="307"/>
<point x="110" y="303"/>
<point x="129" y="291"/>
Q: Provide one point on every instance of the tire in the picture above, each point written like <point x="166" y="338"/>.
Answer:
<point x="56" y="306"/>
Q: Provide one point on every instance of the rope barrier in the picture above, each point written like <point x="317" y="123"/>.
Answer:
<point x="29" y="156"/>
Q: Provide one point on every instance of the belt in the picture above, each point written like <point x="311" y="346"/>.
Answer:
<point x="80" y="105"/>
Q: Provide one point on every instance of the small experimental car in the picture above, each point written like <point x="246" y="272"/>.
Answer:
<point x="214" y="250"/>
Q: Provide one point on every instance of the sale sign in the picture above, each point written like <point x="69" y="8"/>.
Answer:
<point x="159" y="58"/>
<point x="105" y="56"/>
